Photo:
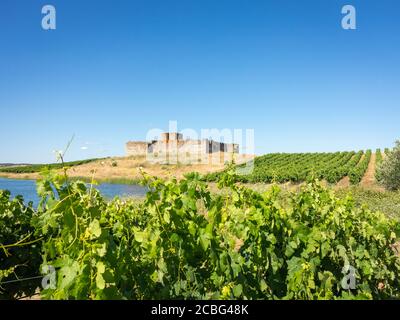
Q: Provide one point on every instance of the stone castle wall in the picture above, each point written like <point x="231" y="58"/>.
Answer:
<point x="171" y="148"/>
<point x="136" y="148"/>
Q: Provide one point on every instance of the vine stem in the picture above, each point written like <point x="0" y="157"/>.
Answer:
<point x="20" y="243"/>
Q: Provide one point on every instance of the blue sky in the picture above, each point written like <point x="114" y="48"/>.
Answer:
<point x="112" y="70"/>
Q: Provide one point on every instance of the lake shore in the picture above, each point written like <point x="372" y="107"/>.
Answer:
<point x="374" y="196"/>
<point x="127" y="170"/>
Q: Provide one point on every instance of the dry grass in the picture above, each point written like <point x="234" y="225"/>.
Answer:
<point x="22" y="176"/>
<point x="128" y="168"/>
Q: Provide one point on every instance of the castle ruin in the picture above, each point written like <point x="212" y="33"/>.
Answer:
<point x="172" y="148"/>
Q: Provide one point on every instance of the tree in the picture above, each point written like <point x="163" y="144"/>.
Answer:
<point x="388" y="171"/>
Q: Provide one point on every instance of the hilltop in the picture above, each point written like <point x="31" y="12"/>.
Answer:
<point x="13" y="164"/>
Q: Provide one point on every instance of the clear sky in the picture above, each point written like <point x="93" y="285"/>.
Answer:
<point x="112" y="70"/>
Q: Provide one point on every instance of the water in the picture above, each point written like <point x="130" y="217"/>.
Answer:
<point x="27" y="189"/>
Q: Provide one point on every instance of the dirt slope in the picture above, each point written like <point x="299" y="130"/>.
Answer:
<point x="369" y="178"/>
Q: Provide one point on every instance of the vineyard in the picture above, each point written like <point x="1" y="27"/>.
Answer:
<point x="281" y="167"/>
<point x="184" y="242"/>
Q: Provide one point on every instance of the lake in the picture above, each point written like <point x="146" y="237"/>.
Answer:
<point x="27" y="189"/>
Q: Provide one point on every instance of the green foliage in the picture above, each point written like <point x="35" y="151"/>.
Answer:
<point x="343" y="168"/>
<point x="358" y="172"/>
<point x="378" y="155"/>
<point x="299" y="167"/>
<point x="378" y="161"/>
<point x="388" y="172"/>
<point x="184" y="242"/>
<point x="19" y="252"/>
<point x="40" y="167"/>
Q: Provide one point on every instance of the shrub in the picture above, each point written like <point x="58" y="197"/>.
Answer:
<point x="388" y="172"/>
<point x="20" y="255"/>
<point x="183" y="242"/>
